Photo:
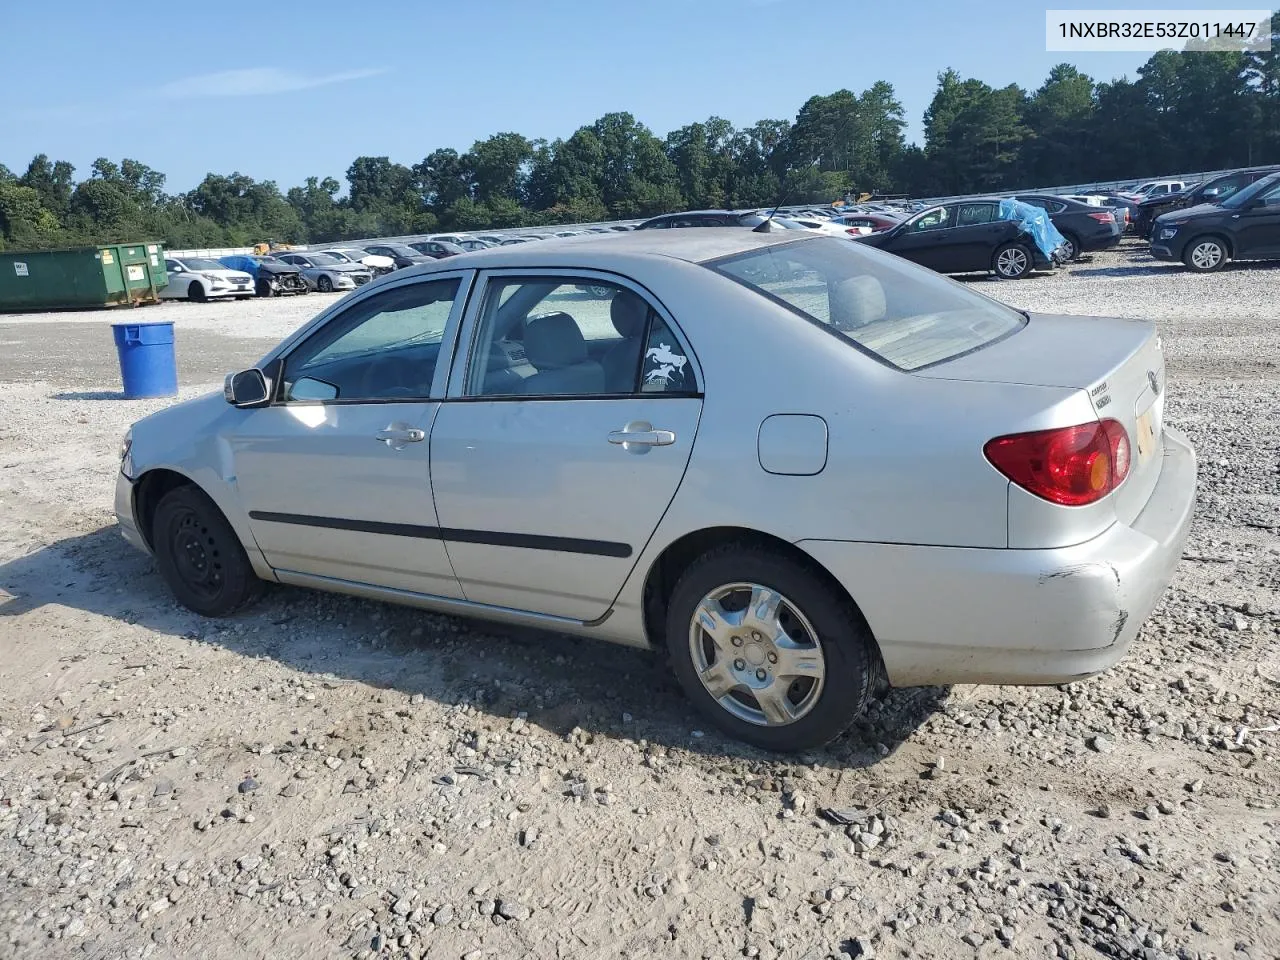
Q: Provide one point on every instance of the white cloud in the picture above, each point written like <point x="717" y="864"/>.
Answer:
<point x="258" y="81"/>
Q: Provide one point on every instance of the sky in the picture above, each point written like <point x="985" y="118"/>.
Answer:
<point x="283" y="91"/>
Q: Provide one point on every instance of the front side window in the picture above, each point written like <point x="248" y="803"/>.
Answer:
<point x="904" y="314"/>
<point x="933" y="220"/>
<point x="556" y="337"/>
<point x="1257" y="189"/>
<point x="385" y="347"/>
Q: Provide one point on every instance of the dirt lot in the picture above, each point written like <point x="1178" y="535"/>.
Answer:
<point x="327" y="777"/>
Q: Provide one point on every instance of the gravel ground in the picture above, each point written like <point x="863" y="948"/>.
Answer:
<point x="322" y="776"/>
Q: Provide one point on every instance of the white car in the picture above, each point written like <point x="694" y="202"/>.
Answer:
<point x="198" y="279"/>
<point x="353" y="255"/>
<point x="831" y="227"/>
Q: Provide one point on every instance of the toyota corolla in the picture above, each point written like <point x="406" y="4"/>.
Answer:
<point x="802" y="466"/>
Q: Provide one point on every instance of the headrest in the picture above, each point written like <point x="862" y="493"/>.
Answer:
<point x="554" y="341"/>
<point x="857" y="302"/>
<point x="628" y="313"/>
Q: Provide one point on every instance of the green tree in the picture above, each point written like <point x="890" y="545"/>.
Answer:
<point x="1061" y="114"/>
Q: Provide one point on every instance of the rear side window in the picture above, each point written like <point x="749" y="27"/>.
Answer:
<point x="971" y="214"/>
<point x="901" y="313"/>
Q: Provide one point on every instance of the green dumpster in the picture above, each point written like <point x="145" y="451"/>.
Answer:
<point x="108" y="275"/>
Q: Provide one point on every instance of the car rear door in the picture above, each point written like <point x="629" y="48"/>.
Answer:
<point x="550" y="474"/>
<point x="335" y="474"/>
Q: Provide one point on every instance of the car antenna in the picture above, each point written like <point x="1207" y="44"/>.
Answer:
<point x="767" y="226"/>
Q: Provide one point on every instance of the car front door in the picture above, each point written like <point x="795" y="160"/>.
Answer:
<point x="568" y="424"/>
<point x="1256" y="228"/>
<point x="923" y="240"/>
<point x="335" y="473"/>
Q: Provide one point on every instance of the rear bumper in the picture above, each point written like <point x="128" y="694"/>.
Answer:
<point x="946" y="615"/>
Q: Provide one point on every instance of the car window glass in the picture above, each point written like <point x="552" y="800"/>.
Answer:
<point x="1271" y="197"/>
<point x="933" y="220"/>
<point x="903" y="313"/>
<point x="970" y="214"/>
<point x="551" y="336"/>
<point x="1035" y="202"/>
<point x="384" y="347"/>
<point x="173" y="266"/>
<point x="1055" y="206"/>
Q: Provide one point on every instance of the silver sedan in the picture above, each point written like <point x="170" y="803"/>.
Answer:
<point x="803" y="466"/>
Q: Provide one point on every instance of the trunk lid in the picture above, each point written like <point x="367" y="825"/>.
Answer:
<point x="1118" y="363"/>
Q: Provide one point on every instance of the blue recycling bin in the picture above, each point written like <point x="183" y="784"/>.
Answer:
<point x="148" y="365"/>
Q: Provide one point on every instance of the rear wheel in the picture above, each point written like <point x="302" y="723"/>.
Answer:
<point x="196" y="292"/>
<point x="200" y="556"/>
<point x="1071" y="247"/>
<point x="324" y="284"/>
<point x="1205" y="254"/>
<point x="1012" y="262"/>
<point x="767" y="650"/>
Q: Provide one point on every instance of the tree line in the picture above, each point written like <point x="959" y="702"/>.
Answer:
<point x="1182" y="112"/>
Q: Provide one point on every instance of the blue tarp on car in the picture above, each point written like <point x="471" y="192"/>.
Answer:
<point x="1036" y="222"/>
<point x="248" y="264"/>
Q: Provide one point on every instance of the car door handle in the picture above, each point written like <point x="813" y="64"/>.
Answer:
<point x="393" y="435"/>
<point x="641" y="434"/>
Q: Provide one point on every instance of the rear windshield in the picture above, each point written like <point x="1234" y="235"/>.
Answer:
<point x="906" y="315"/>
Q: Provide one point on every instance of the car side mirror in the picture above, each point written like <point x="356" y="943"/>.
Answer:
<point x="248" y="388"/>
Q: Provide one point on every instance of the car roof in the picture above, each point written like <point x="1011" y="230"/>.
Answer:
<point x="611" y="251"/>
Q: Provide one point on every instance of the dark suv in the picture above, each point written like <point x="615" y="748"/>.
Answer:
<point x="1214" y="190"/>
<point x="1245" y="226"/>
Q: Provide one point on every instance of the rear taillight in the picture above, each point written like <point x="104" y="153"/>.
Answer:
<point x="1071" y="466"/>
<point x="1103" y="217"/>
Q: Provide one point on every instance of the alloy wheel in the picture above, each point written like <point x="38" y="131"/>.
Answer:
<point x="1206" y="255"/>
<point x="1012" y="262"/>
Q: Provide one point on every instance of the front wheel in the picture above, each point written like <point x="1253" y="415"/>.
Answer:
<point x="1205" y="255"/>
<point x="1012" y="262"/>
<point x="200" y="556"/>
<point x="324" y="284"/>
<point x="265" y="288"/>
<point x="767" y="650"/>
<point x="196" y="292"/>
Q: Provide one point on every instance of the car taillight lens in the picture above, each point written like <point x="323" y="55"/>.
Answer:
<point x="1103" y="217"/>
<point x="1071" y="466"/>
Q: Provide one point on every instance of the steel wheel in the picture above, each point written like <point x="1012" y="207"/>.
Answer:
<point x="1206" y="255"/>
<point x="1012" y="262"/>
<point x="196" y="556"/>
<point x="757" y="654"/>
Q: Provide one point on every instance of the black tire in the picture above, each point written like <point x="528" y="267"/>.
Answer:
<point x="1199" y="254"/>
<point x="200" y="556"/>
<point x="324" y="284"/>
<point x="1012" y="261"/>
<point x="849" y="656"/>
<point x="196" y="292"/>
<point x="244" y="298"/>
<point x="264" y="288"/>
<point x="1073" y="247"/>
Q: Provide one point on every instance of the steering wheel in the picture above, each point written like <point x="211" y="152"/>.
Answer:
<point x="387" y="377"/>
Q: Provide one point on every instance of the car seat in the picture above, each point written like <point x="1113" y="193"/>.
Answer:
<point x="629" y="314"/>
<point x="556" y="348"/>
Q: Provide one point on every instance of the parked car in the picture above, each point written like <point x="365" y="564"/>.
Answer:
<point x="436" y="249"/>
<point x="1244" y="226"/>
<point x="1085" y="228"/>
<point x="1155" y="188"/>
<point x="200" y="279"/>
<point x="1213" y="190"/>
<point x="1013" y="470"/>
<point x="454" y="238"/>
<point x="401" y="254"/>
<point x="474" y="243"/>
<point x="327" y="274"/>
<point x="966" y="236"/>
<point x="866" y="223"/>
<point x="377" y="265"/>
<point x="271" y="277"/>
<point x="703" y="218"/>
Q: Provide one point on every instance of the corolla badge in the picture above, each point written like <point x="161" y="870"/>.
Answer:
<point x="1154" y="381"/>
